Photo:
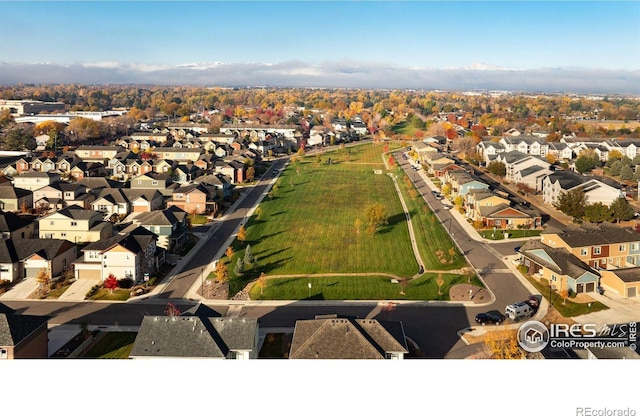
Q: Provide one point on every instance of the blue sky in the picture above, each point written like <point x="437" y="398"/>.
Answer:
<point x="356" y="34"/>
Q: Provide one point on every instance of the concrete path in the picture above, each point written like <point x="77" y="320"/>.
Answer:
<point x="20" y="290"/>
<point x="78" y="290"/>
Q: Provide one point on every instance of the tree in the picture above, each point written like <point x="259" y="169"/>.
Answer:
<point x="242" y="233"/>
<point x="572" y="203"/>
<point x="585" y="162"/>
<point x="597" y="213"/>
<point x="251" y="171"/>
<point x="503" y="345"/>
<point x="43" y="278"/>
<point x="376" y="217"/>
<point x="446" y="189"/>
<point x="239" y="269"/>
<point x="615" y="168"/>
<point x="18" y="138"/>
<point x="111" y="282"/>
<point x="439" y="282"/>
<point x="621" y="210"/>
<point x="564" y="294"/>
<point x="82" y="128"/>
<point x="171" y="310"/>
<point x="221" y="272"/>
<point x="404" y="284"/>
<point x="626" y="173"/>
<point x="248" y="256"/>
<point x="229" y="252"/>
<point x="262" y="282"/>
<point x="497" y="168"/>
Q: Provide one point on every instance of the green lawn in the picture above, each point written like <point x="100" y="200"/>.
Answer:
<point x="436" y="247"/>
<point x="569" y="309"/>
<point x="113" y="345"/>
<point x="404" y="127"/>
<point x="309" y="224"/>
<point x="116" y="294"/>
<point x="356" y="288"/>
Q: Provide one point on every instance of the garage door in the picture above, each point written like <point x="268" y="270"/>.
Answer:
<point x="590" y="287"/>
<point x="31" y="273"/>
<point x="632" y="292"/>
<point x="89" y="274"/>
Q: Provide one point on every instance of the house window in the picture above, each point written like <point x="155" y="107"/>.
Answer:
<point x="597" y="250"/>
<point x="583" y="252"/>
<point x="154" y="182"/>
<point x="554" y="278"/>
<point x="622" y="247"/>
<point x="52" y="222"/>
<point x="74" y="223"/>
<point x="63" y="234"/>
<point x="3" y="353"/>
<point x="634" y="246"/>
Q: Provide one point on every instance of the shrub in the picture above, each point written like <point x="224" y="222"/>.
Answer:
<point x="4" y="283"/>
<point x="126" y="283"/>
<point x="93" y="290"/>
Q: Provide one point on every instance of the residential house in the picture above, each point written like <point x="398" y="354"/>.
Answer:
<point x="87" y="169"/>
<point x="35" y="180"/>
<point x="15" y="199"/>
<point x="477" y="198"/>
<point x="95" y="185"/>
<point x="532" y="177"/>
<point x="516" y="161"/>
<point x="76" y="224"/>
<point x="507" y="217"/>
<point x="178" y="154"/>
<point x="131" y="254"/>
<point x="184" y="174"/>
<point x="49" y="197"/>
<point x="23" y="336"/>
<point x="51" y="255"/>
<point x="98" y="153"/>
<point x="11" y="269"/>
<point x="490" y="149"/>
<point x="163" y="183"/>
<point x="169" y="224"/>
<point x="558" y="266"/>
<point x="164" y="166"/>
<point x="221" y="182"/>
<point x="144" y="200"/>
<point x="43" y="164"/>
<point x="110" y="202"/>
<point x="331" y="337"/>
<point x="196" y="337"/>
<point x="604" y="247"/>
<point x="17" y="226"/>
<point x="624" y="282"/>
<point x="561" y="151"/>
<point x="594" y="190"/>
<point x="195" y="198"/>
<point x="529" y="145"/>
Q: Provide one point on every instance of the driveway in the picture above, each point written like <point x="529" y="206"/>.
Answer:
<point x="621" y="310"/>
<point x="21" y="290"/>
<point x="77" y="291"/>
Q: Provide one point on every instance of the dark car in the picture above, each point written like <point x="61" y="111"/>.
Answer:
<point x="489" y="318"/>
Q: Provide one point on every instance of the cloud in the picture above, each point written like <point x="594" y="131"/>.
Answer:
<point x="330" y="74"/>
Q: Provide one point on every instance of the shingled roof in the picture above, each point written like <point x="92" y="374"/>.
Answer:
<point x="15" y="328"/>
<point x="558" y="260"/>
<point x="346" y="338"/>
<point x="194" y="336"/>
<point x="601" y="235"/>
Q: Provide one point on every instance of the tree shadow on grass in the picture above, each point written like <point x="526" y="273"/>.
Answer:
<point x="262" y="258"/>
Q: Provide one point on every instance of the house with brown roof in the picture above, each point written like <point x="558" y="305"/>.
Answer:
<point x="331" y="337"/>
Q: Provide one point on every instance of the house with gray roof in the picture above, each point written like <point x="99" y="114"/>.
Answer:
<point x="51" y="255"/>
<point x="533" y="176"/>
<point x="169" y="224"/>
<point x="17" y="226"/>
<point x="76" y="224"/>
<point x="14" y="199"/>
<point x="332" y="337"/>
<point x="23" y="336"/>
<point x="564" y="181"/>
<point x="192" y="336"/>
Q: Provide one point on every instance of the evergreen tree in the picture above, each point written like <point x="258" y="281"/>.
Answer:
<point x="248" y="256"/>
<point x="239" y="269"/>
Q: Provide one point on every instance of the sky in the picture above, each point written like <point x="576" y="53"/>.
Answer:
<point x="364" y="44"/>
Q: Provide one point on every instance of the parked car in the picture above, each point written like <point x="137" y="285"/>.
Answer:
<point x="519" y="311"/>
<point x="489" y="318"/>
<point x="447" y="207"/>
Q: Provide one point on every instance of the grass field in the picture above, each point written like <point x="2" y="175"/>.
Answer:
<point x="358" y="287"/>
<point x="309" y="226"/>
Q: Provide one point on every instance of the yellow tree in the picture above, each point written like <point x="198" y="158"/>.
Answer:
<point x="221" y="272"/>
<point x="242" y="233"/>
<point x="43" y="279"/>
<point x="229" y="252"/>
<point x="503" y="345"/>
<point x="262" y="282"/>
<point x="440" y="282"/>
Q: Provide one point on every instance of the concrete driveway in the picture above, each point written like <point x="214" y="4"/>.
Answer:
<point x="77" y="291"/>
<point x="621" y="310"/>
<point x="21" y="290"/>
